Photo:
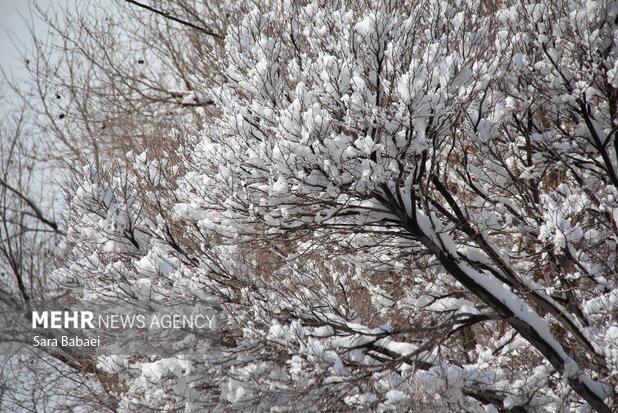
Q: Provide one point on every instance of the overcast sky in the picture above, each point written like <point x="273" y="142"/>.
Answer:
<point x="15" y="33"/>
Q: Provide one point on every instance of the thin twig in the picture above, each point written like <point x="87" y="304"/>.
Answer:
<point x="174" y="18"/>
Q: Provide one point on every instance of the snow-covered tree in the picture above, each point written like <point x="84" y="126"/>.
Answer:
<point x="397" y="206"/>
